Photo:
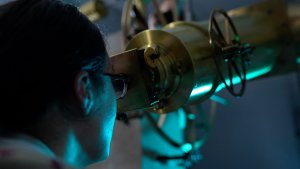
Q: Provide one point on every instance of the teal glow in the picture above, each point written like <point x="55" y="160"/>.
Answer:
<point x="251" y="75"/>
<point x="187" y="147"/>
<point x="298" y="59"/>
<point x="199" y="143"/>
<point x="205" y="88"/>
<point x="219" y="100"/>
<point x="154" y="103"/>
<point x="259" y="72"/>
<point x="237" y="38"/>
<point x="72" y="149"/>
<point x="192" y="116"/>
<point x="181" y="118"/>
<point x="200" y="90"/>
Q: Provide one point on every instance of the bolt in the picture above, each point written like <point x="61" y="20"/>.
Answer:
<point x="150" y="54"/>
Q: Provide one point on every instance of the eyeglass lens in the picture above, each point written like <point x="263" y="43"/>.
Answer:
<point x="119" y="86"/>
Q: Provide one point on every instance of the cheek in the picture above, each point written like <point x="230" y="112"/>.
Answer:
<point x="99" y="129"/>
<point x="105" y="100"/>
<point x="109" y="108"/>
<point x="107" y="115"/>
<point x="107" y="124"/>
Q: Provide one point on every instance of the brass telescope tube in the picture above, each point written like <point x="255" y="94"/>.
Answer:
<point x="174" y="66"/>
<point x="177" y="58"/>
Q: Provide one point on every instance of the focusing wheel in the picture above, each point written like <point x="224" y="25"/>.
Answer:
<point x="231" y="55"/>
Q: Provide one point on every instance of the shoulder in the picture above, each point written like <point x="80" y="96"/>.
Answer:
<point x="23" y="158"/>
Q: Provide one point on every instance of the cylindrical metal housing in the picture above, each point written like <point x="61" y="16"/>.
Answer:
<point x="177" y="65"/>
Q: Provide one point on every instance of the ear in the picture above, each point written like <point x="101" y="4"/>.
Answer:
<point x="84" y="92"/>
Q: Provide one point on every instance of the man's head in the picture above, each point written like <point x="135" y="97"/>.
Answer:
<point x="52" y="64"/>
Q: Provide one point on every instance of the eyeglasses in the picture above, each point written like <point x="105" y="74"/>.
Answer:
<point x="120" y="84"/>
<point x="119" y="81"/>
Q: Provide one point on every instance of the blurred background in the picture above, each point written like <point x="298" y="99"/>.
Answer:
<point x="260" y="130"/>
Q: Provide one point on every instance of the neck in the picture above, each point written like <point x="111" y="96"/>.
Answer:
<point x="73" y="152"/>
<point x="71" y="149"/>
<point x="58" y="133"/>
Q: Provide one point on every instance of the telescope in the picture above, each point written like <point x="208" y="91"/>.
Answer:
<point x="187" y="62"/>
<point x="180" y="64"/>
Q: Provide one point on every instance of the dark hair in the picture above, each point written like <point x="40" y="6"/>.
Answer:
<point x="43" y="44"/>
